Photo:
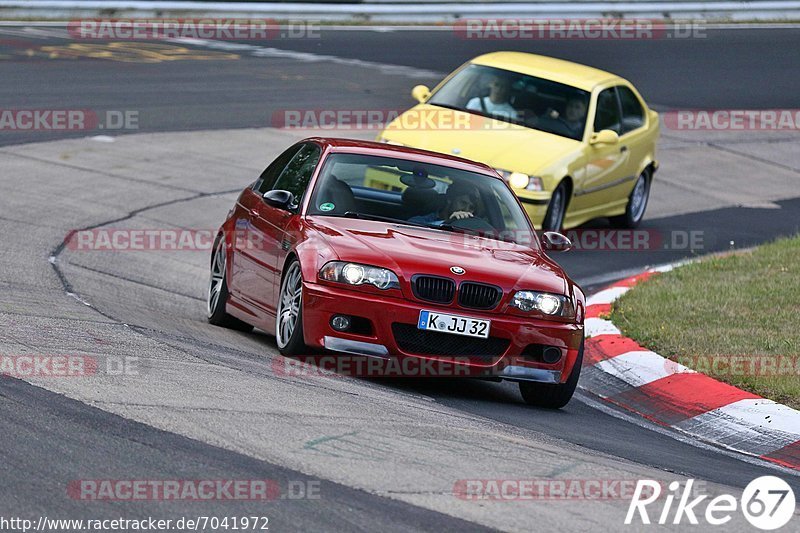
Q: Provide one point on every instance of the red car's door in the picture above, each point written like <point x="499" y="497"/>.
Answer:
<point x="268" y="226"/>
<point x="245" y="269"/>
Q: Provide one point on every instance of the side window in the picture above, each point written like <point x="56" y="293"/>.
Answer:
<point x="632" y="112"/>
<point x="298" y="172"/>
<point x="270" y="175"/>
<point x="607" y="116"/>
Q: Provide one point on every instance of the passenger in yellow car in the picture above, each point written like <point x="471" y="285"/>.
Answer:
<point x="497" y="103"/>
<point x="575" y="115"/>
<point x="570" y="123"/>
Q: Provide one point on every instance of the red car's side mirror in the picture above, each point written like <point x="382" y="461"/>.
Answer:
<point x="280" y="199"/>
<point x="555" y="242"/>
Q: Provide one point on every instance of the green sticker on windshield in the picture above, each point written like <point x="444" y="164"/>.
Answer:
<point x="327" y="206"/>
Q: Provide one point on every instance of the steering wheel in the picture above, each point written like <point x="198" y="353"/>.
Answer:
<point x="471" y="223"/>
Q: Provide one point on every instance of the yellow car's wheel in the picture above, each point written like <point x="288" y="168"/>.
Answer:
<point x="554" y="218"/>
<point x="637" y="203"/>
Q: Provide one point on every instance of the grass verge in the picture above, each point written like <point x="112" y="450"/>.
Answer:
<point x="735" y="318"/>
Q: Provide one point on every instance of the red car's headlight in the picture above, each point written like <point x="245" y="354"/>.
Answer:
<point x="544" y="303"/>
<point x="358" y="274"/>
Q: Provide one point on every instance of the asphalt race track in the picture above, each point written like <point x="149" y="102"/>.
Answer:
<point x="207" y="403"/>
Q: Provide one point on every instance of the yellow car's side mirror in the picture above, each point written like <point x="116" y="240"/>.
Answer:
<point x="420" y="93"/>
<point x="604" y="137"/>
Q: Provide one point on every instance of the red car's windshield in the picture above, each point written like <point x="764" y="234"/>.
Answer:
<point x="417" y="193"/>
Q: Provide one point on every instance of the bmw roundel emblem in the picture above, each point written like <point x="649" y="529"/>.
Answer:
<point x="458" y="271"/>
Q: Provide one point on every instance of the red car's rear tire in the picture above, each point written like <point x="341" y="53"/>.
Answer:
<point x="218" y="292"/>
<point x="549" y="395"/>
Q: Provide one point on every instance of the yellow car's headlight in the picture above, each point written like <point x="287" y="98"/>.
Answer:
<point x="518" y="180"/>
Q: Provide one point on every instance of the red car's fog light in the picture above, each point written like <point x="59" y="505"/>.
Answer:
<point x="340" y="322"/>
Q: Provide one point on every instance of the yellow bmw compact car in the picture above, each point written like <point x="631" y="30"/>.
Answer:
<point x="574" y="142"/>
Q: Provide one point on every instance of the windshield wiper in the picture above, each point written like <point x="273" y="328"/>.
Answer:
<point x="443" y="227"/>
<point x="379" y="218"/>
<point x="454" y="229"/>
<point x="500" y="117"/>
<point x="480" y="233"/>
<point x="453" y="107"/>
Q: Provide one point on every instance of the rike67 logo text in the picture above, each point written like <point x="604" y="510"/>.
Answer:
<point x="767" y="503"/>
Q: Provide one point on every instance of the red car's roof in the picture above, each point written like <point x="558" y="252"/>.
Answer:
<point x="390" y="150"/>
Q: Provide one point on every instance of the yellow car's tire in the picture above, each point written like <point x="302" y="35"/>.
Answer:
<point x="637" y="203"/>
<point x="554" y="217"/>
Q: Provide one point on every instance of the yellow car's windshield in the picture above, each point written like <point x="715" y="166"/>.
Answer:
<point x="517" y="98"/>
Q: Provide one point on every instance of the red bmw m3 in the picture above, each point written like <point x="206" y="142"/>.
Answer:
<point x="387" y="252"/>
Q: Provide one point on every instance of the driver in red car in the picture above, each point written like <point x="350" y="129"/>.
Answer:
<point x="462" y="200"/>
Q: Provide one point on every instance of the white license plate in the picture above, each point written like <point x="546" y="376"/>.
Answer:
<point x="457" y="325"/>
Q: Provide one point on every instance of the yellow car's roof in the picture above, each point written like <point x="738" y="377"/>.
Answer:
<point x="549" y="68"/>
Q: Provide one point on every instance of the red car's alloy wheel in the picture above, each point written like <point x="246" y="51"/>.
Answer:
<point x="218" y="293"/>
<point x="217" y="278"/>
<point x="289" y="324"/>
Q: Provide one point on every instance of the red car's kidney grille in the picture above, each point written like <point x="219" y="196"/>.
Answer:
<point x="416" y="341"/>
<point x="479" y="295"/>
<point x="433" y="288"/>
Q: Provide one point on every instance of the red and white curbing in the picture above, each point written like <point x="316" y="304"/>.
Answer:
<point x="623" y="373"/>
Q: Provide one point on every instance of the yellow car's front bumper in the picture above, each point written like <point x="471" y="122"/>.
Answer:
<point x="535" y="204"/>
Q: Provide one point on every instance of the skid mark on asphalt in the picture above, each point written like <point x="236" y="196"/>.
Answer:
<point x="138" y="282"/>
<point x="125" y="52"/>
<point x="753" y="157"/>
<point x="133" y="52"/>
<point x="370" y="446"/>
<point x="307" y="57"/>
<point x="103" y="173"/>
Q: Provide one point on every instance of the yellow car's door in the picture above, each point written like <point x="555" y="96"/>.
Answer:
<point x="606" y="159"/>
<point x="634" y="135"/>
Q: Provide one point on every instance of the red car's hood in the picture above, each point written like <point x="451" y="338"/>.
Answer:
<point x="408" y="250"/>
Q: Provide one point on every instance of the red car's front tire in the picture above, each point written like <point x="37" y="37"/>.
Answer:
<point x="549" y="395"/>
<point x="289" y="319"/>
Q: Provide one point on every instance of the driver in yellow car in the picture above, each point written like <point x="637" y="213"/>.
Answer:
<point x="497" y="103"/>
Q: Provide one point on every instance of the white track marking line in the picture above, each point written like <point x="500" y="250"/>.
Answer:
<point x="642" y="367"/>
<point x="606" y="296"/>
<point x="600" y="326"/>
<point x="680" y="435"/>
<point x="759" y="426"/>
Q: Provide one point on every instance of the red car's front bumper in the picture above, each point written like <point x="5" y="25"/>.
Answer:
<point x="321" y="302"/>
